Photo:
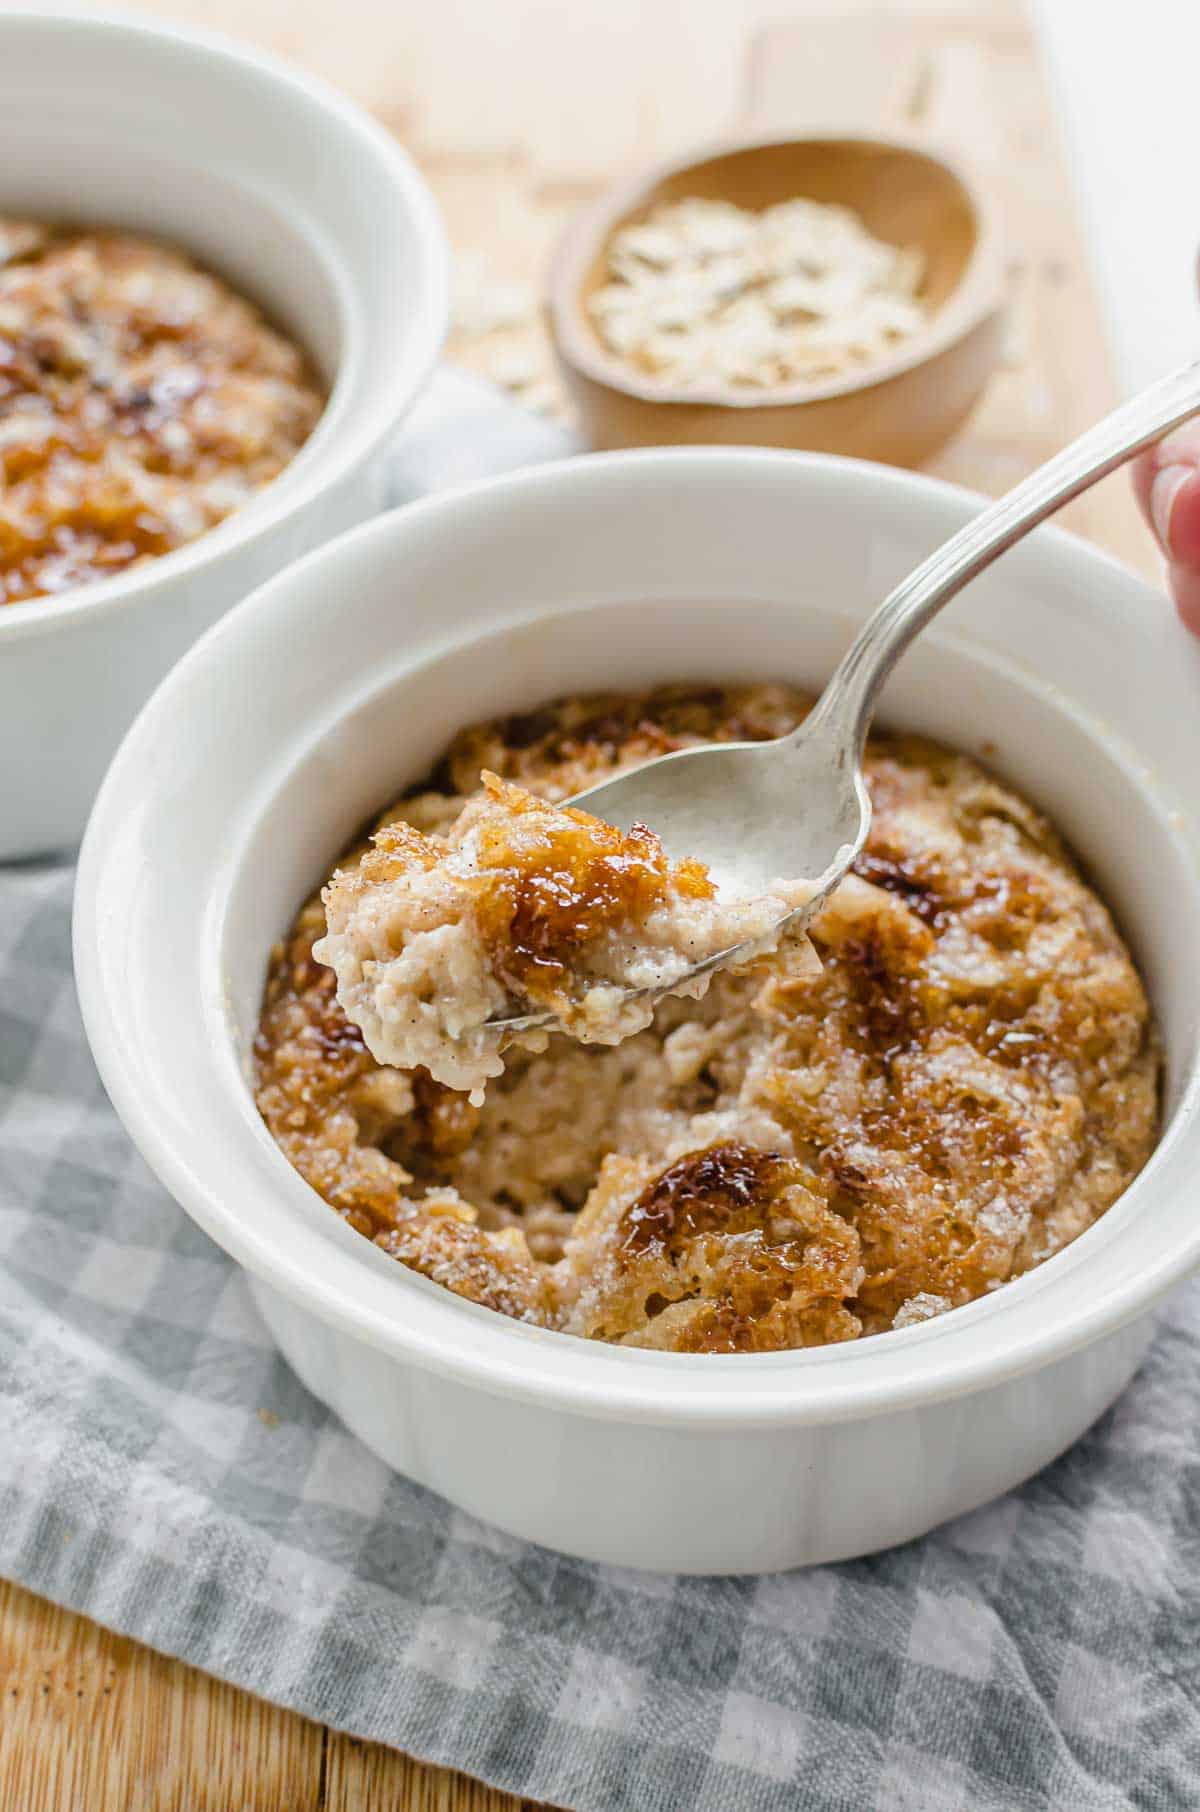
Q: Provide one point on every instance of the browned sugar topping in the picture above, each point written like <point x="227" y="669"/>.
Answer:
<point x="562" y="888"/>
<point x="141" y="402"/>
<point x="967" y="1085"/>
<point x="705" y="1189"/>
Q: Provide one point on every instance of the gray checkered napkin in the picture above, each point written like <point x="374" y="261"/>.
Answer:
<point x="162" y="1471"/>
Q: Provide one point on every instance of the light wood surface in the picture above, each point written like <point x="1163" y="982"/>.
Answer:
<point x="519" y="111"/>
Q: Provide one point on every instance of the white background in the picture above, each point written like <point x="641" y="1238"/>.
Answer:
<point x="1126" y="75"/>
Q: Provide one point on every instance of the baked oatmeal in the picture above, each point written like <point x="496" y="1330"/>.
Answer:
<point x="523" y="907"/>
<point x="969" y="1081"/>
<point x="141" y="402"/>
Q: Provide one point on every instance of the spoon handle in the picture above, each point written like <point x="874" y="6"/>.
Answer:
<point x="848" y="700"/>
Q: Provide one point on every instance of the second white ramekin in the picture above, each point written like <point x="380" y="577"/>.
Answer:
<point x="305" y="204"/>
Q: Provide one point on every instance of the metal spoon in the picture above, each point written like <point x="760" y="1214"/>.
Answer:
<point x="797" y="807"/>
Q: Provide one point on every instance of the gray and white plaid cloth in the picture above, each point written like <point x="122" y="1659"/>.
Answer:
<point x="162" y="1471"/>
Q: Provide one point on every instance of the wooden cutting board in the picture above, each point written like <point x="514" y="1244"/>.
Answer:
<point x="94" y="1723"/>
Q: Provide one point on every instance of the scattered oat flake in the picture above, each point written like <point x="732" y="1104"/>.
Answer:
<point x="513" y="368"/>
<point x="484" y="304"/>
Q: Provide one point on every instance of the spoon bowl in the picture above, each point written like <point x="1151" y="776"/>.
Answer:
<point x="771" y="822"/>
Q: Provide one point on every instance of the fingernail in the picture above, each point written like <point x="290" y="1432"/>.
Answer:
<point x="1163" y="492"/>
<point x="1181" y="447"/>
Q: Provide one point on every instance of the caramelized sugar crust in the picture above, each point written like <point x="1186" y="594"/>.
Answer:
<point x="967" y="1085"/>
<point x="141" y="402"/>
<point x="545" y="896"/>
<point x="523" y="907"/>
<point x="549" y="881"/>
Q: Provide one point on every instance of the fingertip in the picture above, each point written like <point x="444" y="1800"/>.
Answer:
<point x="1181" y="532"/>
<point x="1181" y="447"/>
<point x="1166" y="476"/>
<point x="1185" y="588"/>
<point x="1142" y="472"/>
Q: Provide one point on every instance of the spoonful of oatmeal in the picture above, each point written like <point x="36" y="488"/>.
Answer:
<point x="528" y="917"/>
<point x="434" y="938"/>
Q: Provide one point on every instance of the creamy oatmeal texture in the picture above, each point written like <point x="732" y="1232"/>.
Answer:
<point x="966" y="1085"/>
<point x="141" y="402"/>
<point x="523" y="907"/>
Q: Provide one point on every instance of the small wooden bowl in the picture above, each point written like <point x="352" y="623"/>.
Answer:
<point x="899" y="409"/>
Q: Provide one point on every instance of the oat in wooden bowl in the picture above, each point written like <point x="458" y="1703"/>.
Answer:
<point x="843" y="294"/>
<point x="705" y="293"/>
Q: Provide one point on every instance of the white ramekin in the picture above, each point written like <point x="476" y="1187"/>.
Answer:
<point x="305" y="204"/>
<point x="310" y="706"/>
